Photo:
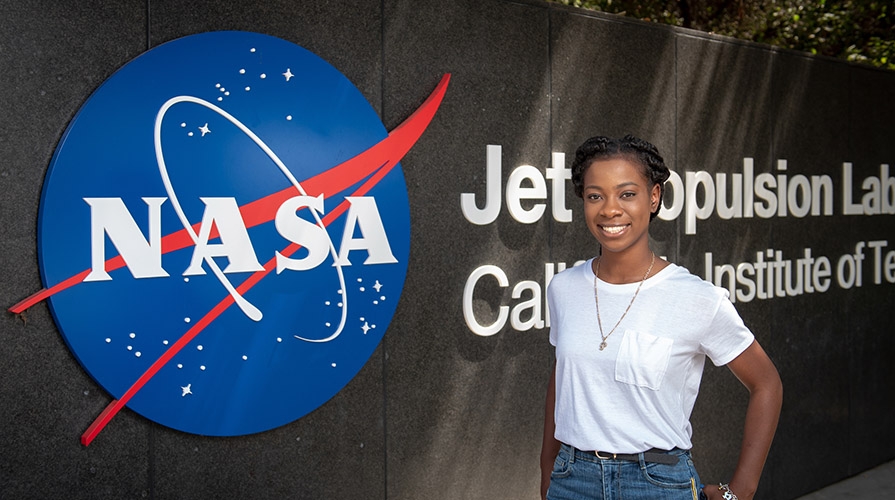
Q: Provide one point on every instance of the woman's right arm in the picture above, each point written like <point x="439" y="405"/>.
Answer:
<point x="549" y="445"/>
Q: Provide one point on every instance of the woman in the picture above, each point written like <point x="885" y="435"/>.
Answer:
<point x="631" y="332"/>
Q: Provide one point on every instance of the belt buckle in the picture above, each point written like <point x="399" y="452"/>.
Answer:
<point x="601" y="457"/>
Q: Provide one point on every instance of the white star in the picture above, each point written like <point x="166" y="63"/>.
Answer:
<point x="204" y="129"/>
<point x="288" y="74"/>
<point x="186" y="390"/>
<point x="365" y="328"/>
<point x="377" y="286"/>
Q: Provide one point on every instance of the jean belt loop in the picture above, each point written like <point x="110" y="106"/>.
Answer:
<point x="572" y="452"/>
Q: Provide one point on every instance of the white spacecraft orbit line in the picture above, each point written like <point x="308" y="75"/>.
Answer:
<point x="247" y="307"/>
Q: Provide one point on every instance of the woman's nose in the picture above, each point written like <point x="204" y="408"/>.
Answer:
<point x="610" y="208"/>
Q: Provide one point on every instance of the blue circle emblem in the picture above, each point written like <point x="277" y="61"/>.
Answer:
<point x="233" y="264"/>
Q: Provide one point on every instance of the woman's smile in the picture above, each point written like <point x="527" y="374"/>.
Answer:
<point x="614" y="230"/>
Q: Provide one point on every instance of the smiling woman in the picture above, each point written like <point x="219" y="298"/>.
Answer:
<point x="618" y="407"/>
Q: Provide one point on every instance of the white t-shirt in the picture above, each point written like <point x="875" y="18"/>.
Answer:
<point x="639" y="392"/>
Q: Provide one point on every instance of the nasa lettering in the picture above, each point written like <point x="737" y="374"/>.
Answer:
<point x="224" y="232"/>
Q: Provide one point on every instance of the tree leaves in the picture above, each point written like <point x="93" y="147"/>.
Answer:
<point x="861" y="31"/>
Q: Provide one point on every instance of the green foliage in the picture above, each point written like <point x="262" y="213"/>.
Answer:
<point x="857" y="30"/>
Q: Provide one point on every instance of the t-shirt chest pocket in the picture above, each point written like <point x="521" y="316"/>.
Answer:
<point x="643" y="359"/>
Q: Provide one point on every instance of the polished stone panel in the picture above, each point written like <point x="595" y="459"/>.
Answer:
<point x="870" y="311"/>
<point x="809" y="113"/>
<point x="48" y="400"/>
<point x="465" y="411"/>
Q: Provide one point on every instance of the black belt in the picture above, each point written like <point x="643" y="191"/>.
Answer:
<point x="654" y="455"/>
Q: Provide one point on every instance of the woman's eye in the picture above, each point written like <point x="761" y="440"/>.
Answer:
<point x="628" y="194"/>
<point x="593" y="197"/>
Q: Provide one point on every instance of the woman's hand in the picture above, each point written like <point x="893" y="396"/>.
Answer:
<point x="712" y="492"/>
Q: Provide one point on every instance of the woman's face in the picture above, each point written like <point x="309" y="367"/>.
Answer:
<point x="617" y="203"/>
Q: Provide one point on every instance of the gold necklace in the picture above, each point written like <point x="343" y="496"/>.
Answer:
<point x="597" y="299"/>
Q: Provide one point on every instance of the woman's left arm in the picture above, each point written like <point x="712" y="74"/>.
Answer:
<point x="757" y="372"/>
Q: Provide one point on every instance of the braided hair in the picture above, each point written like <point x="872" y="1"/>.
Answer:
<point x="631" y="148"/>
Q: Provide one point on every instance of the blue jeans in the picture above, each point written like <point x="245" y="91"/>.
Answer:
<point x="579" y="475"/>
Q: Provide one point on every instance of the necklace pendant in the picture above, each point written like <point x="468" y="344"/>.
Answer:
<point x="602" y="345"/>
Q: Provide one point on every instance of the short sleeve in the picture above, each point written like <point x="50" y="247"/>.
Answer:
<point x="727" y="336"/>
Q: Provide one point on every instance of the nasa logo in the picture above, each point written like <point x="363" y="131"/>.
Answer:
<point x="224" y="233"/>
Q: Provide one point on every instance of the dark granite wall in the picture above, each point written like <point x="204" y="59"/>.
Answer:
<point x="439" y="412"/>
